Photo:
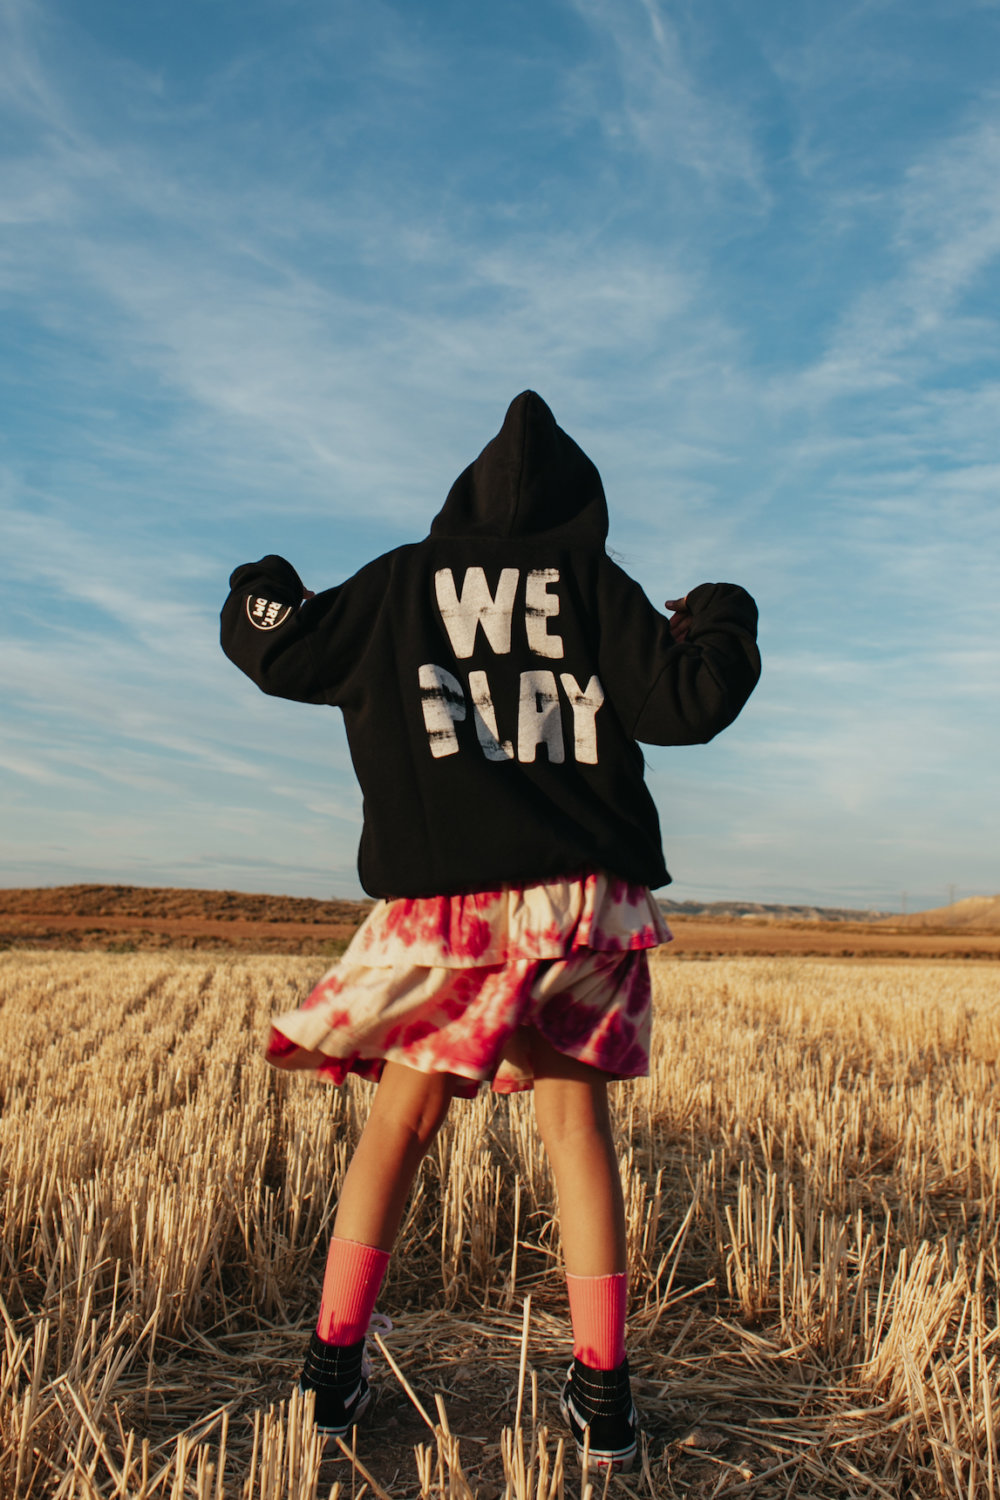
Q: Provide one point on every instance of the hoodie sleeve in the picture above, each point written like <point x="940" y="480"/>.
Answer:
<point x="277" y="639"/>
<point x="666" y="693"/>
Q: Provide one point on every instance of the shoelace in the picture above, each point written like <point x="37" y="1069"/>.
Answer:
<point x="377" y="1323"/>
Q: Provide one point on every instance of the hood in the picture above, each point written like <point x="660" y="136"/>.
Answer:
<point x="531" y="480"/>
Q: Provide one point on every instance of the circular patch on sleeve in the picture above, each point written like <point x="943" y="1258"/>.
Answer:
<point x="266" y="614"/>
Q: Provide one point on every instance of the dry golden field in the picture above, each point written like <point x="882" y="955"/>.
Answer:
<point x="812" y="1174"/>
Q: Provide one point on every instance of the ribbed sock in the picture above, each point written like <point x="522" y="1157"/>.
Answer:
<point x="597" y="1311"/>
<point x="351" y="1284"/>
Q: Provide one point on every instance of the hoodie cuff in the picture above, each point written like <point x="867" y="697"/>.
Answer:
<point x="280" y="576"/>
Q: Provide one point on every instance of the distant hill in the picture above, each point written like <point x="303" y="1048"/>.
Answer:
<point x="127" y="918"/>
<point x="235" y="906"/>
<point x="177" y="904"/>
<point x="107" y="901"/>
<point x="764" y="912"/>
<point x="974" y="913"/>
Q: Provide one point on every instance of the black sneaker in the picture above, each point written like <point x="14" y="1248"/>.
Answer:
<point x="602" y="1401"/>
<point x="335" y="1372"/>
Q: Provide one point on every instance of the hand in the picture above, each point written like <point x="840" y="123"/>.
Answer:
<point x="680" y="621"/>
<point x="308" y="594"/>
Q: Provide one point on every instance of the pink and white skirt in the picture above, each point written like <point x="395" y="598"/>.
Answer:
<point x="454" y="984"/>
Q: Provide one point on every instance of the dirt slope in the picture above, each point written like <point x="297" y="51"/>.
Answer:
<point x="975" y="913"/>
<point x="127" y="918"/>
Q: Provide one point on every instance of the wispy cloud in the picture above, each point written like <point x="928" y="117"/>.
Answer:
<point x="678" y="119"/>
<point x="920" y="313"/>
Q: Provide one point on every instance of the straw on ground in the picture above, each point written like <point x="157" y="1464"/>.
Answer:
<point x="812" y="1177"/>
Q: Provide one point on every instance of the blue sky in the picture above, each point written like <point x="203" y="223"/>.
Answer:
<point x="270" y="274"/>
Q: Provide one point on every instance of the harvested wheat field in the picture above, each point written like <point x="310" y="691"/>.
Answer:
<point x="813" y="1182"/>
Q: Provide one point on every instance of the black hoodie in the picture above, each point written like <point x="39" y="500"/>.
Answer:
<point x="495" y="677"/>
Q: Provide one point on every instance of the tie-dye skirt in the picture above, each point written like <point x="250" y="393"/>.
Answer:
<point x="454" y="984"/>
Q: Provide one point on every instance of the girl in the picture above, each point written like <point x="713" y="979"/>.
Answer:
<point x="495" y="679"/>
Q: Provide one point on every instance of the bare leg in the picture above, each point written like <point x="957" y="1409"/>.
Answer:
<point x="406" y="1114"/>
<point x="571" y="1107"/>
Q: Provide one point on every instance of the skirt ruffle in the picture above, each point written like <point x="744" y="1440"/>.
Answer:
<point x="456" y="984"/>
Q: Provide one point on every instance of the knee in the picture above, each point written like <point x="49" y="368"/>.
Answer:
<point x="435" y="1105"/>
<point x="412" y="1117"/>
<point x="433" y="1115"/>
<point x="572" y="1125"/>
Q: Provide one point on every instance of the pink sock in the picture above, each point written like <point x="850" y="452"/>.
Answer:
<point x="351" y="1284"/>
<point x="597" y="1311"/>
